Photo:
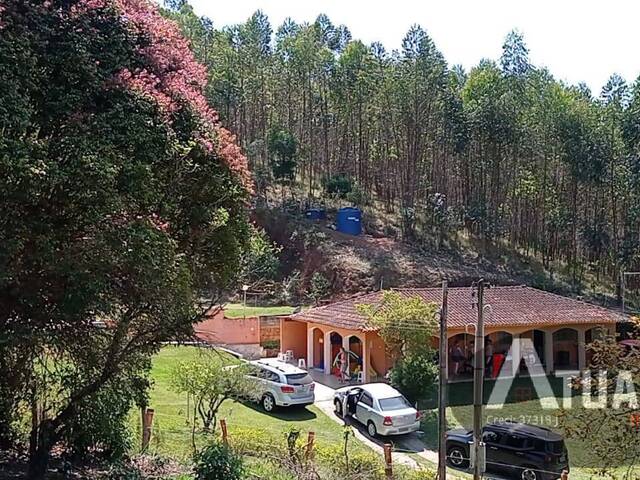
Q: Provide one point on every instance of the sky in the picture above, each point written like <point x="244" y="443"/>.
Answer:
<point x="576" y="40"/>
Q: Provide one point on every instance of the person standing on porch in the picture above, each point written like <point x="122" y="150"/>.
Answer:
<point x="457" y="357"/>
<point x="342" y="362"/>
<point x="488" y="355"/>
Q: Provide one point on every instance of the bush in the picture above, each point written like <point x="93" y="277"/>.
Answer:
<point x="416" y="376"/>
<point x="100" y="425"/>
<point x="271" y="344"/>
<point x="362" y="464"/>
<point x="338" y="185"/>
<point x="319" y="287"/>
<point x="255" y="442"/>
<point x="218" y="462"/>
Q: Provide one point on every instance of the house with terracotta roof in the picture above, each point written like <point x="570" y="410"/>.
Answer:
<point x="520" y="322"/>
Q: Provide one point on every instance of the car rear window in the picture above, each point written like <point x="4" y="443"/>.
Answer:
<point x="394" y="403"/>
<point x="298" y="378"/>
<point x="555" y="447"/>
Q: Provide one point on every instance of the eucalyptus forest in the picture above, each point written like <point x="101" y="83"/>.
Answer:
<point x="503" y="152"/>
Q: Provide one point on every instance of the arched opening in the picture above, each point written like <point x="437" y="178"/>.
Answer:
<point x="355" y="356"/>
<point x="318" y="349"/>
<point x="497" y="350"/>
<point x="335" y="343"/>
<point x="565" y="349"/>
<point x="532" y="351"/>
<point x="460" y="356"/>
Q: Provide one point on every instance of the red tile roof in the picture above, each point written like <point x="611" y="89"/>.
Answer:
<point x="510" y="307"/>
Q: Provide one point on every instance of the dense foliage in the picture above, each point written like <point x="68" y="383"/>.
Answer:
<point x="416" y="376"/>
<point x="608" y="417"/>
<point x="218" y="462"/>
<point x="122" y="208"/>
<point x="503" y="151"/>
<point x="407" y="325"/>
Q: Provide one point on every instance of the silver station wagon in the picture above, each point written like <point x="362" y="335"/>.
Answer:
<point x="378" y="406"/>
<point x="279" y="384"/>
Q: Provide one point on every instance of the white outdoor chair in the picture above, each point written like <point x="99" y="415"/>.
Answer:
<point x="302" y="363"/>
<point x="288" y="356"/>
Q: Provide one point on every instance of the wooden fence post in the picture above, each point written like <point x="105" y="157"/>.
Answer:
<point x="225" y="433"/>
<point x="310" y="440"/>
<point x="388" y="462"/>
<point x="147" y="425"/>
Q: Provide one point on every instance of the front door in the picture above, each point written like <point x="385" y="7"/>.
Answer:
<point x="364" y="408"/>
<point x="514" y="450"/>
<point x="495" y="456"/>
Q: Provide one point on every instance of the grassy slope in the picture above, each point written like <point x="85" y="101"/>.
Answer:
<point x="172" y="434"/>
<point x="236" y="310"/>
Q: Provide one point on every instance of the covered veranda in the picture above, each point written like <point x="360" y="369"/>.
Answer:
<point x="524" y="351"/>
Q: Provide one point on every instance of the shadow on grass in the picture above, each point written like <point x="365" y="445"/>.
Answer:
<point x="294" y="413"/>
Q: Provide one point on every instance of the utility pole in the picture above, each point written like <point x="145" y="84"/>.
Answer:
<point x="244" y="301"/>
<point x="478" y="380"/>
<point x="442" y="398"/>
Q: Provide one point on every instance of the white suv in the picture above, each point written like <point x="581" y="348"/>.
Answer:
<point x="281" y="384"/>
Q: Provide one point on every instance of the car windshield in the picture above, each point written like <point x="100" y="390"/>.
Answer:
<point x="298" y="379"/>
<point x="394" y="403"/>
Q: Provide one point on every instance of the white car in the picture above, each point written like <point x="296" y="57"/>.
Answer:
<point x="378" y="406"/>
<point x="280" y="384"/>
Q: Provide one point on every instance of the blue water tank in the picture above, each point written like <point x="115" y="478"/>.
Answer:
<point x="313" y="214"/>
<point x="349" y="221"/>
<point x="316" y="214"/>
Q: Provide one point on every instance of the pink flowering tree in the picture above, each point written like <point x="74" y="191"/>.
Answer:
<point x="122" y="213"/>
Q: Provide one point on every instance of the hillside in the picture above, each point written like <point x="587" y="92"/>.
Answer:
<point x="364" y="263"/>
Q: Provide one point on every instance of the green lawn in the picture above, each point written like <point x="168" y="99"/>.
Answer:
<point x="236" y="310"/>
<point x="172" y="434"/>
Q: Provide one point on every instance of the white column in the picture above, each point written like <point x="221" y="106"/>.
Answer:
<point x="310" y="347"/>
<point x="548" y="351"/>
<point x="327" y="353"/>
<point x="345" y="345"/>
<point x="515" y="353"/>
<point x="365" y="359"/>
<point x="582" y="351"/>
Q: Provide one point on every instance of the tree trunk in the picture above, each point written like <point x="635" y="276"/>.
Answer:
<point x="39" y="459"/>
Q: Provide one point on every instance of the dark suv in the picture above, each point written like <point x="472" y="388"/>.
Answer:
<point x="515" y="449"/>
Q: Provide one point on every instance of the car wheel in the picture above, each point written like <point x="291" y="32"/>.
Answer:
<point x="268" y="402"/>
<point x="371" y="429"/>
<point x="337" y="405"/>
<point x="529" y="473"/>
<point x="457" y="457"/>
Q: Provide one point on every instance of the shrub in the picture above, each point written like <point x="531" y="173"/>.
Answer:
<point x="405" y="473"/>
<point x="100" y="425"/>
<point x="338" y="185"/>
<point x="361" y="464"/>
<point x="271" y="344"/>
<point x="415" y="376"/>
<point x="218" y="462"/>
<point x="319" y="287"/>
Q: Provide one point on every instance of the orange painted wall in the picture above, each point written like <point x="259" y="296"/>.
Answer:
<point x="218" y="329"/>
<point x="293" y="336"/>
<point x="378" y="357"/>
